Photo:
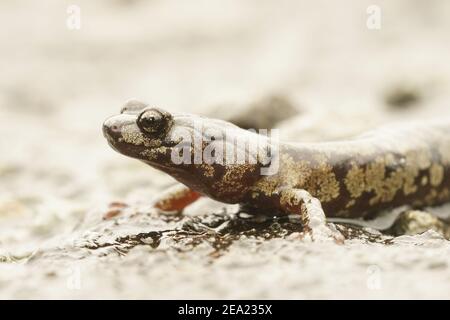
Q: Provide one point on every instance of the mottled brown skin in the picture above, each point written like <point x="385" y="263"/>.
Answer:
<point x="360" y="177"/>
<point x="394" y="166"/>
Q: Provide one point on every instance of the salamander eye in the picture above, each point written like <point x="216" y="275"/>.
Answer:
<point x="152" y="121"/>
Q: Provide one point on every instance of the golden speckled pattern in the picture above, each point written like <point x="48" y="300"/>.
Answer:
<point x="355" y="180"/>
<point x="436" y="174"/>
<point x="405" y="165"/>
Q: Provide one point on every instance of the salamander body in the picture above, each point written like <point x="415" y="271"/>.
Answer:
<point x="389" y="167"/>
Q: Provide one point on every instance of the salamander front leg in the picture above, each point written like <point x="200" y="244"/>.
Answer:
<point x="175" y="198"/>
<point x="298" y="201"/>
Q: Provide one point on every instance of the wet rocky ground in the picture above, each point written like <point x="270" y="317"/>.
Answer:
<point x="75" y="220"/>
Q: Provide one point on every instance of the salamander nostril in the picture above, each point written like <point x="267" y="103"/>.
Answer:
<point x="111" y="129"/>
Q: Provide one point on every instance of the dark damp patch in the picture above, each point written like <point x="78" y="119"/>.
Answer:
<point x="354" y="232"/>
<point x="402" y="97"/>
<point x="220" y="231"/>
<point x="264" y="113"/>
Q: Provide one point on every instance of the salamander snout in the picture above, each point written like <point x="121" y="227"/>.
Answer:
<point x="112" y="129"/>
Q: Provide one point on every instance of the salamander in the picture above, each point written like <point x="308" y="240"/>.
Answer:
<point x="402" y="164"/>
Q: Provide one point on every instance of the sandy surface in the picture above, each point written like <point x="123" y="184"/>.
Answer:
<point x="58" y="176"/>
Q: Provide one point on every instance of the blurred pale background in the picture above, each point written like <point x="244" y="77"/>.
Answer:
<point x="57" y="85"/>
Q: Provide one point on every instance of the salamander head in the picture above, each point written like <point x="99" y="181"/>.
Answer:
<point x="137" y="129"/>
<point x="174" y="143"/>
<point x="140" y="131"/>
